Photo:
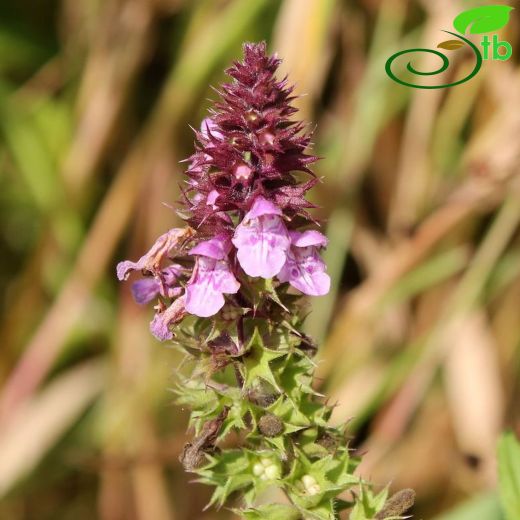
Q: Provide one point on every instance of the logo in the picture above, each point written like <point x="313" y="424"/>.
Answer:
<point x="480" y="20"/>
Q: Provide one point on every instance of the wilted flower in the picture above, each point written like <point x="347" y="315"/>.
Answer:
<point x="166" y="244"/>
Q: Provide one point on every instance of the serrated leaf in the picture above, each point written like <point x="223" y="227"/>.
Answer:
<point x="278" y="442"/>
<point x="292" y="418"/>
<point x="340" y="470"/>
<point x="314" y="450"/>
<point x="296" y="377"/>
<point x="257" y="360"/>
<point x="482" y="19"/>
<point x="509" y="475"/>
<point x="318" y="413"/>
<point x="368" y="504"/>
<point x="235" y="418"/>
<point x="273" y="295"/>
<point x="196" y="398"/>
<point x="331" y="473"/>
<point x="228" y="471"/>
<point x="323" y="511"/>
<point x="230" y="462"/>
<point x="451" y="45"/>
<point x="270" y="512"/>
<point x="232" y="484"/>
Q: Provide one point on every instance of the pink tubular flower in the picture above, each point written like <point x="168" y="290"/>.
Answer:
<point x="249" y="160"/>
<point x="262" y="240"/>
<point x="304" y="269"/>
<point x="211" y="278"/>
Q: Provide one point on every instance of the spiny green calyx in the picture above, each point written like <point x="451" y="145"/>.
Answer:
<point x="261" y="389"/>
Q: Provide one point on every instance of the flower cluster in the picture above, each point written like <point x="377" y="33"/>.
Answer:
<point x="228" y="288"/>
<point x="243" y="193"/>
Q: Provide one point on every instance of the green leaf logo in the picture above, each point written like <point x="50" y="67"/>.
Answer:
<point x="451" y="45"/>
<point x="483" y="19"/>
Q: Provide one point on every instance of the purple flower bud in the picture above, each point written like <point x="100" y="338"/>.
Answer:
<point x="262" y="240"/>
<point x="211" y="279"/>
<point x="243" y="171"/>
<point x="250" y="138"/>
<point x="304" y="269"/>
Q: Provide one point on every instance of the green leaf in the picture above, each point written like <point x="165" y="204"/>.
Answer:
<point x="272" y="294"/>
<point x="323" y="511"/>
<point x="232" y="484"/>
<point x="368" y="504"/>
<point x="196" y="396"/>
<point x="296" y="377"/>
<point x="270" y="512"/>
<point x="482" y="19"/>
<point x="330" y="474"/>
<point x="509" y="475"/>
<point x="235" y="418"/>
<point x="292" y="418"/>
<point x="257" y="361"/>
<point x="228" y="471"/>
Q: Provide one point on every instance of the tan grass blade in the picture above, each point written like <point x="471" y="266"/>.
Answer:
<point x="43" y="419"/>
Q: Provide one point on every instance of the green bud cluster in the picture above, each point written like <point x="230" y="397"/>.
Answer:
<point x="253" y="377"/>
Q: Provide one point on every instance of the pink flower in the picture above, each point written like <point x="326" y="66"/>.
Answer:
<point x="211" y="278"/>
<point x="242" y="171"/>
<point x="165" y="284"/>
<point x="212" y="198"/>
<point x="304" y="269"/>
<point x="208" y="128"/>
<point x="262" y="240"/>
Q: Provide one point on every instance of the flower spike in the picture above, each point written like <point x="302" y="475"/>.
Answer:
<point x="229" y="289"/>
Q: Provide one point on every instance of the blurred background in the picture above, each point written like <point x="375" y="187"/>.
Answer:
<point x="420" y="337"/>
